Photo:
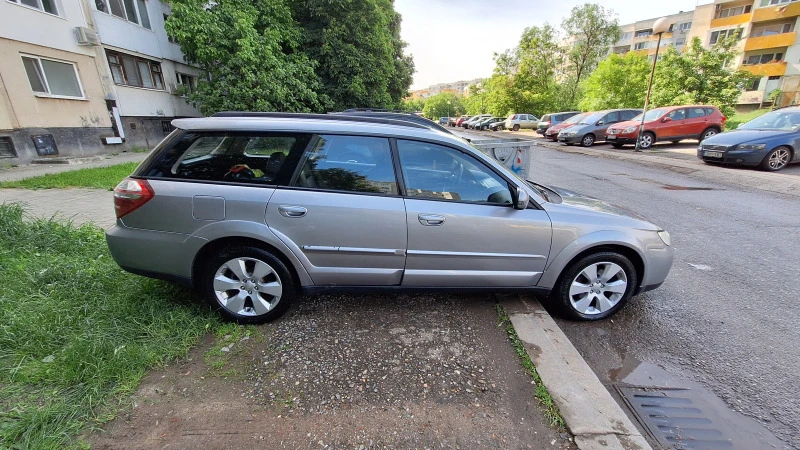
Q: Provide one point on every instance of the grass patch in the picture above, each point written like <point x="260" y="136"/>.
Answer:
<point x="77" y="333"/>
<point x="97" y="177"/>
<point x="550" y="409"/>
<point x="738" y="119"/>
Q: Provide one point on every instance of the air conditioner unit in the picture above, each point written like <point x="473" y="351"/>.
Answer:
<point x="86" y="36"/>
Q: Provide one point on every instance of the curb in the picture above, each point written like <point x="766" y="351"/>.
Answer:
<point x="591" y="414"/>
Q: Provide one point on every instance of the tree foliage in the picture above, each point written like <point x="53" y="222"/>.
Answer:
<point x="412" y="104"/>
<point x="436" y="106"/>
<point x="590" y="30"/>
<point x="699" y="76"/>
<point x="304" y="55"/>
<point x="618" y="82"/>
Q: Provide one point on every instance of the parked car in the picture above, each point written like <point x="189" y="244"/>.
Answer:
<point x="593" y="127"/>
<point x="552" y="132"/>
<point x="517" y="121"/>
<point x="474" y="120"/>
<point x="454" y="120"/>
<point x="497" y="126"/>
<point x="444" y="120"/>
<point x="488" y="123"/>
<point x="481" y="123"/>
<point x="671" y="123"/>
<point x="553" y="119"/>
<point x="461" y="120"/>
<point x="770" y="141"/>
<point x="253" y="209"/>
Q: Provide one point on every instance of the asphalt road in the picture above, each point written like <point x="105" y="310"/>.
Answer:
<point x="727" y="316"/>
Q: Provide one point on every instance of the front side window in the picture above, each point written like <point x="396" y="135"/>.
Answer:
<point x="678" y="114"/>
<point x="348" y="163"/>
<point x="56" y="78"/>
<point x="255" y="158"/>
<point x="48" y="6"/>
<point x="437" y="172"/>
<point x="127" y="70"/>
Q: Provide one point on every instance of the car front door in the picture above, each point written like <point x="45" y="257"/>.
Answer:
<point x="462" y="228"/>
<point x="609" y="119"/>
<point x="675" y="126"/>
<point x="342" y="214"/>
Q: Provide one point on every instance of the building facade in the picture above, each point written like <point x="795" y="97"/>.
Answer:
<point x="458" y="88"/>
<point x="82" y="78"/>
<point x="768" y="47"/>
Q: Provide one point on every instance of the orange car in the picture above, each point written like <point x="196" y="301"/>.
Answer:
<point x="669" y="123"/>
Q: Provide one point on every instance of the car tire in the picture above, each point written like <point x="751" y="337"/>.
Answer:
<point x="617" y="145"/>
<point x="587" y="140"/>
<point x="584" y="291"/>
<point x="708" y="133"/>
<point x="647" y="140"/>
<point x="516" y="127"/>
<point x="250" y="298"/>
<point x="777" y="159"/>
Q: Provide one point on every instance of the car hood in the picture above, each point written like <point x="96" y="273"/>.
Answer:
<point x="626" y="124"/>
<point x="578" y="127"/>
<point x="736" y="137"/>
<point x="587" y="203"/>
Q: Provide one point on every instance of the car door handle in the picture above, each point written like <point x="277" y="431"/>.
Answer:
<point x="292" y="211"/>
<point x="431" y="219"/>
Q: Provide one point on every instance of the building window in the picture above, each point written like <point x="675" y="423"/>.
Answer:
<point x="641" y="45"/>
<point x="127" y="70"/>
<point x="720" y="35"/>
<point x="763" y="59"/>
<point x="771" y="30"/>
<point x="169" y="38"/>
<point x="7" y="149"/>
<point x="775" y="2"/>
<point x="774" y="77"/>
<point x="752" y="85"/>
<point x="680" y="41"/>
<point x="48" y="6"/>
<point x="188" y="82"/>
<point x="643" y="33"/>
<point x="166" y="126"/>
<point x="738" y="10"/>
<point x="131" y="10"/>
<point x="49" y="77"/>
<point x="685" y="26"/>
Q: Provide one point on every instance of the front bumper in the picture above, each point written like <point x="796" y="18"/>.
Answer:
<point x="621" y="139"/>
<point x="570" y="139"/>
<point x="734" y="156"/>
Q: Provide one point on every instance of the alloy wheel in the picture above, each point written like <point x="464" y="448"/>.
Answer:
<point x="778" y="159"/>
<point x="646" y="141"/>
<point x="598" y="288"/>
<point x="247" y="286"/>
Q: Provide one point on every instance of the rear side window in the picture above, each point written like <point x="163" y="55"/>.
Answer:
<point x="709" y="111"/>
<point x="257" y="158"/>
<point x="697" y="112"/>
<point x="348" y="163"/>
<point x="628" y="115"/>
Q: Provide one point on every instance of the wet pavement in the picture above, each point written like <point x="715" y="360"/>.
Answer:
<point x="725" y="321"/>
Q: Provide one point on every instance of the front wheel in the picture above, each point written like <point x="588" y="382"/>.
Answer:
<point x="587" y="140"/>
<point x="776" y="159"/>
<point x="646" y="141"/>
<point x="248" y="285"/>
<point x="595" y="287"/>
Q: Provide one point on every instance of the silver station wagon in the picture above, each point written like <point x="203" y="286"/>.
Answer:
<point x="254" y="209"/>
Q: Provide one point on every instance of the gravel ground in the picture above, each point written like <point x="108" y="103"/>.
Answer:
<point x="348" y="371"/>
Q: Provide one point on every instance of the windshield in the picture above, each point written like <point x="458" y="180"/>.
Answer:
<point x="653" y="114"/>
<point x="775" y="120"/>
<point x="592" y="118"/>
<point x="574" y="119"/>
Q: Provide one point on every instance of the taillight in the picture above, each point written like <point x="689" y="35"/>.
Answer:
<point x="130" y="194"/>
<point x="724" y="119"/>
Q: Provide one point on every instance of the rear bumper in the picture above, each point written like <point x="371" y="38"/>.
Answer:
<point x="154" y="254"/>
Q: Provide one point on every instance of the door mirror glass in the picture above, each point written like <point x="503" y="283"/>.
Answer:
<point x="521" y="198"/>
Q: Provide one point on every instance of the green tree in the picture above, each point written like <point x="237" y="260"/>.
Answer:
<point x="534" y="86"/>
<point x="412" y="104"/>
<point x="358" y="50"/>
<point x="248" y="52"/>
<point x="436" y="106"/>
<point x="699" y="76"/>
<point x="590" y="30"/>
<point x="618" y="82"/>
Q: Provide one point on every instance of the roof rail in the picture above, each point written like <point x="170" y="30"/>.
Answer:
<point x="338" y="117"/>
<point x="392" y="115"/>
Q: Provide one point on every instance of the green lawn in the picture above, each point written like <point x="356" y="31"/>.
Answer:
<point x="77" y="333"/>
<point x="738" y="119"/>
<point x="99" y="177"/>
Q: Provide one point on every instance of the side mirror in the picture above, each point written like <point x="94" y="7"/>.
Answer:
<point x="521" y="198"/>
<point x="666" y="119"/>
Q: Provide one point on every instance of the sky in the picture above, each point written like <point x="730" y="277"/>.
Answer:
<point x="453" y="40"/>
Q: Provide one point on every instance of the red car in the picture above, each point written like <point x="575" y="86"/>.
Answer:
<point x="552" y="132"/>
<point x="462" y="119"/>
<point x="670" y="123"/>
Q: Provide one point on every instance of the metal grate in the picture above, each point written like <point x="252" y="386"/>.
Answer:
<point x="166" y="126"/>
<point x="7" y="149"/>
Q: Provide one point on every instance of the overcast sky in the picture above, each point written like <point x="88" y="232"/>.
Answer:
<point x="454" y="40"/>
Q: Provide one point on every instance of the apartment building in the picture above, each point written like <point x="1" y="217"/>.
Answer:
<point x="458" y="88"/>
<point x="86" y="77"/>
<point x="768" y="45"/>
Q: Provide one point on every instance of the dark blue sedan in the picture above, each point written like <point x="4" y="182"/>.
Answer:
<point x="770" y="141"/>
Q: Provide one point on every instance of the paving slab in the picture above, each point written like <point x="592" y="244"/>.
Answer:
<point x="78" y="205"/>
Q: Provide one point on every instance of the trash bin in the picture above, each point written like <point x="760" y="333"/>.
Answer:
<point x="514" y="154"/>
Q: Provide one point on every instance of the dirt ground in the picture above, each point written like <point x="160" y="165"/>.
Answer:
<point x="347" y="371"/>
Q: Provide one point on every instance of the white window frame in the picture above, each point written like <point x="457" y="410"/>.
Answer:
<point x="768" y="3"/>
<point x="56" y="5"/>
<point x="137" y="10"/>
<point x="48" y="94"/>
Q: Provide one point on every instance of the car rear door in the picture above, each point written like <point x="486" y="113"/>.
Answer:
<point x="696" y="122"/>
<point x="342" y="214"/>
<point x="462" y="228"/>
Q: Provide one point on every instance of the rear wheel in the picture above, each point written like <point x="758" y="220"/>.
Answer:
<point x="595" y="287"/>
<point x="248" y="285"/>
<point x="708" y="133"/>
<point x="777" y="159"/>
<point x="516" y="127"/>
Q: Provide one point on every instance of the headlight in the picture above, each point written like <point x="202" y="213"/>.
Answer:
<point x="568" y="133"/>
<point x="751" y="146"/>
<point x="629" y="129"/>
<point x="664" y="235"/>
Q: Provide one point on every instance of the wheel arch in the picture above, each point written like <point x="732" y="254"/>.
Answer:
<point x="788" y="146"/>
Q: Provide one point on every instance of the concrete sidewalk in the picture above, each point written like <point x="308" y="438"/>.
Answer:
<point x="17" y="173"/>
<point x="77" y="205"/>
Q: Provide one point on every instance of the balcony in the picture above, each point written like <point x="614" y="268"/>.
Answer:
<point x="774" y="41"/>
<point x="731" y="21"/>
<point x="773" y="69"/>
<point x="776" y="12"/>
<point x="751" y="97"/>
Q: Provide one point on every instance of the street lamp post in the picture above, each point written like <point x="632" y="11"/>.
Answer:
<point x="659" y="28"/>
<point x="448" y="110"/>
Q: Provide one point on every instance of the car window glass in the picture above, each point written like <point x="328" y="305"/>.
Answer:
<point x="628" y="115"/>
<point x="442" y="173"/>
<point x="678" y="114"/>
<point x="611" y="117"/>
<point x="697" y="112"/>
<point x="348" y="163"/>
<point x="219" y="156"/>
<point x="547" y="117"/>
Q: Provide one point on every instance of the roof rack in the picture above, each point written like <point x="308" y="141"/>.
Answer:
<point x="365" y="118"/>
<point x="392" y="115"/>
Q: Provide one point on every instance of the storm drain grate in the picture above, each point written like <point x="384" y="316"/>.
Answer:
<point x="674" y="419"/>
<point x="7" y="147"/>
